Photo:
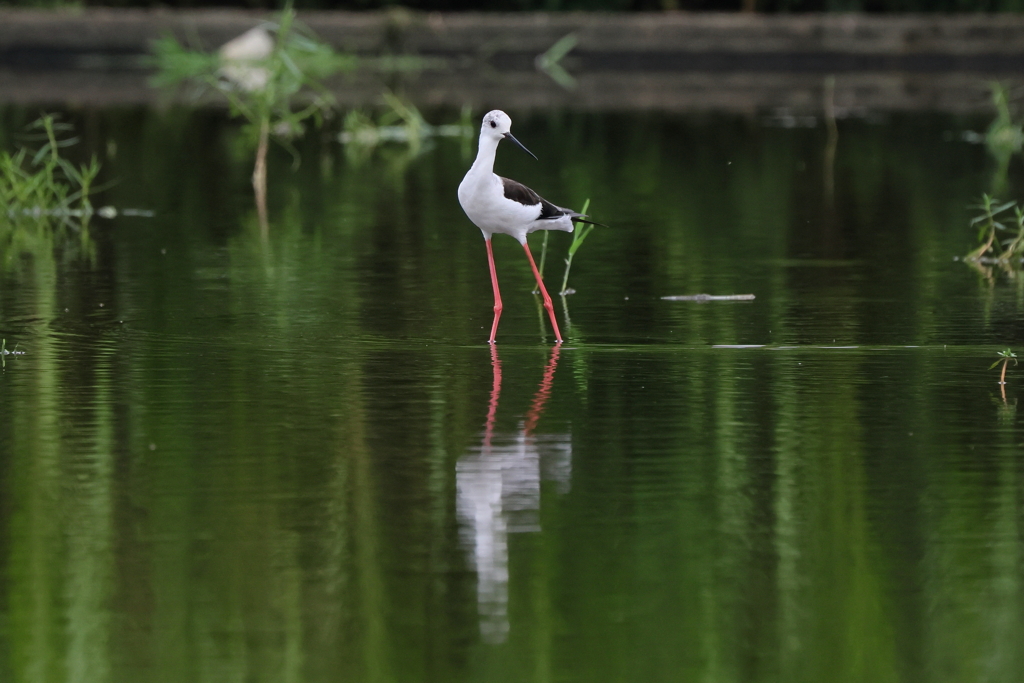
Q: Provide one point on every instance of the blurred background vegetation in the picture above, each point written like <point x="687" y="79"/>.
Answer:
<point x="894" y="6"/>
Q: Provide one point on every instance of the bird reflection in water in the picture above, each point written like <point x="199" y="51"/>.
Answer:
<point x="499" y="494"/>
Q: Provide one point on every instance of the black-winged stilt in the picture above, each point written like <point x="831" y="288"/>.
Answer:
<point x="500" y="205"/>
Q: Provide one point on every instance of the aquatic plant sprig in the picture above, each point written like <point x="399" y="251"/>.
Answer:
<point x="1005" y="356"/>
<point x="4" y="352"/>
<point x="580" y="234"/>
<point x="1015" y="245"/>
<point x="990" y="222"/>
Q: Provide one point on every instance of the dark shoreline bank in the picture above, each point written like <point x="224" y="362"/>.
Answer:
<point x="672" y="61"/>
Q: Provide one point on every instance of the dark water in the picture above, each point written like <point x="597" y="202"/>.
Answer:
<point x="228" y="458"/>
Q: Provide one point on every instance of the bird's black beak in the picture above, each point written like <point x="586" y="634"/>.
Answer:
<point x="511" y="137"/>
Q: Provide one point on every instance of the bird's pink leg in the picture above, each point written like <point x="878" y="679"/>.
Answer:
<point x="544" y="294"/>
<point x="497" y="293"/>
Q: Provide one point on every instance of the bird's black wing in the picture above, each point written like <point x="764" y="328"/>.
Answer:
<point x="518" y="192"/>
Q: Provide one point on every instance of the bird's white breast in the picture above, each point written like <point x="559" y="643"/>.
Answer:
<point x="483" y="199"/>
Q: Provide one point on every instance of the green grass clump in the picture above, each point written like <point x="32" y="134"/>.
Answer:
<point x="44" y="197"/>
<point x="1001" y="236"/>
<point x="43" y="186"/>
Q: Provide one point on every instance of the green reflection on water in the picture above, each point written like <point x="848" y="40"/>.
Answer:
<point x="245" y="464"/>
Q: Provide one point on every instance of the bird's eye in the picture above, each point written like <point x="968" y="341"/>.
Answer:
<point x="493" y="124"/>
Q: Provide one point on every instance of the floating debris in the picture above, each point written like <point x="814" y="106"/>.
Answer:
<point x="64" y="212"/>
<point x="4" y="353"/>
<point x="783" y="118"/>
<point x="111" y="212"/>
<point x="709" y="297"/>
<point x="738" y="346"/>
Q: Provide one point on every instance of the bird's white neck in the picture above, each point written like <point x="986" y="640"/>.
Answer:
<point x="484" y="163"/>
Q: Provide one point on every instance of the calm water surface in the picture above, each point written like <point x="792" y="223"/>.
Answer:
<point x="228" y="458"/>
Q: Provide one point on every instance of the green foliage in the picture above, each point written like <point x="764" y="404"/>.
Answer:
<point x="400" y="123"/>
<point x="43" y="185"/>
<point x="1005" y="356"/>
<point x="990" y="222"/>
<point x="274" y="83"/>
<point x="1004" y="137"/>
<point x="271" y="76"/>
<point x="582" y="230"/>
<point x="176" y="64"/>
<point x="4" y="352"/>
<point x="1003" y="133"/>
<point x="1001" y="237"/>
<point x="580" y="234"/>
<point x="550" y="61"/>
<point x="44" y="195"/>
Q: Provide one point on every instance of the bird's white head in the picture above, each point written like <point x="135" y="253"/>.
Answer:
<point x="496" y="124"/>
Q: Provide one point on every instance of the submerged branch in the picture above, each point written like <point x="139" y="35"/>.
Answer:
<point x="709" y="297"/>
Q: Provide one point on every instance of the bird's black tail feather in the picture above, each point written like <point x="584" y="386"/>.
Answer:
<point x="583" y="218"/>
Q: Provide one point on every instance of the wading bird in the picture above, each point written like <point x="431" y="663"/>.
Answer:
<point x="500" y="205"/>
